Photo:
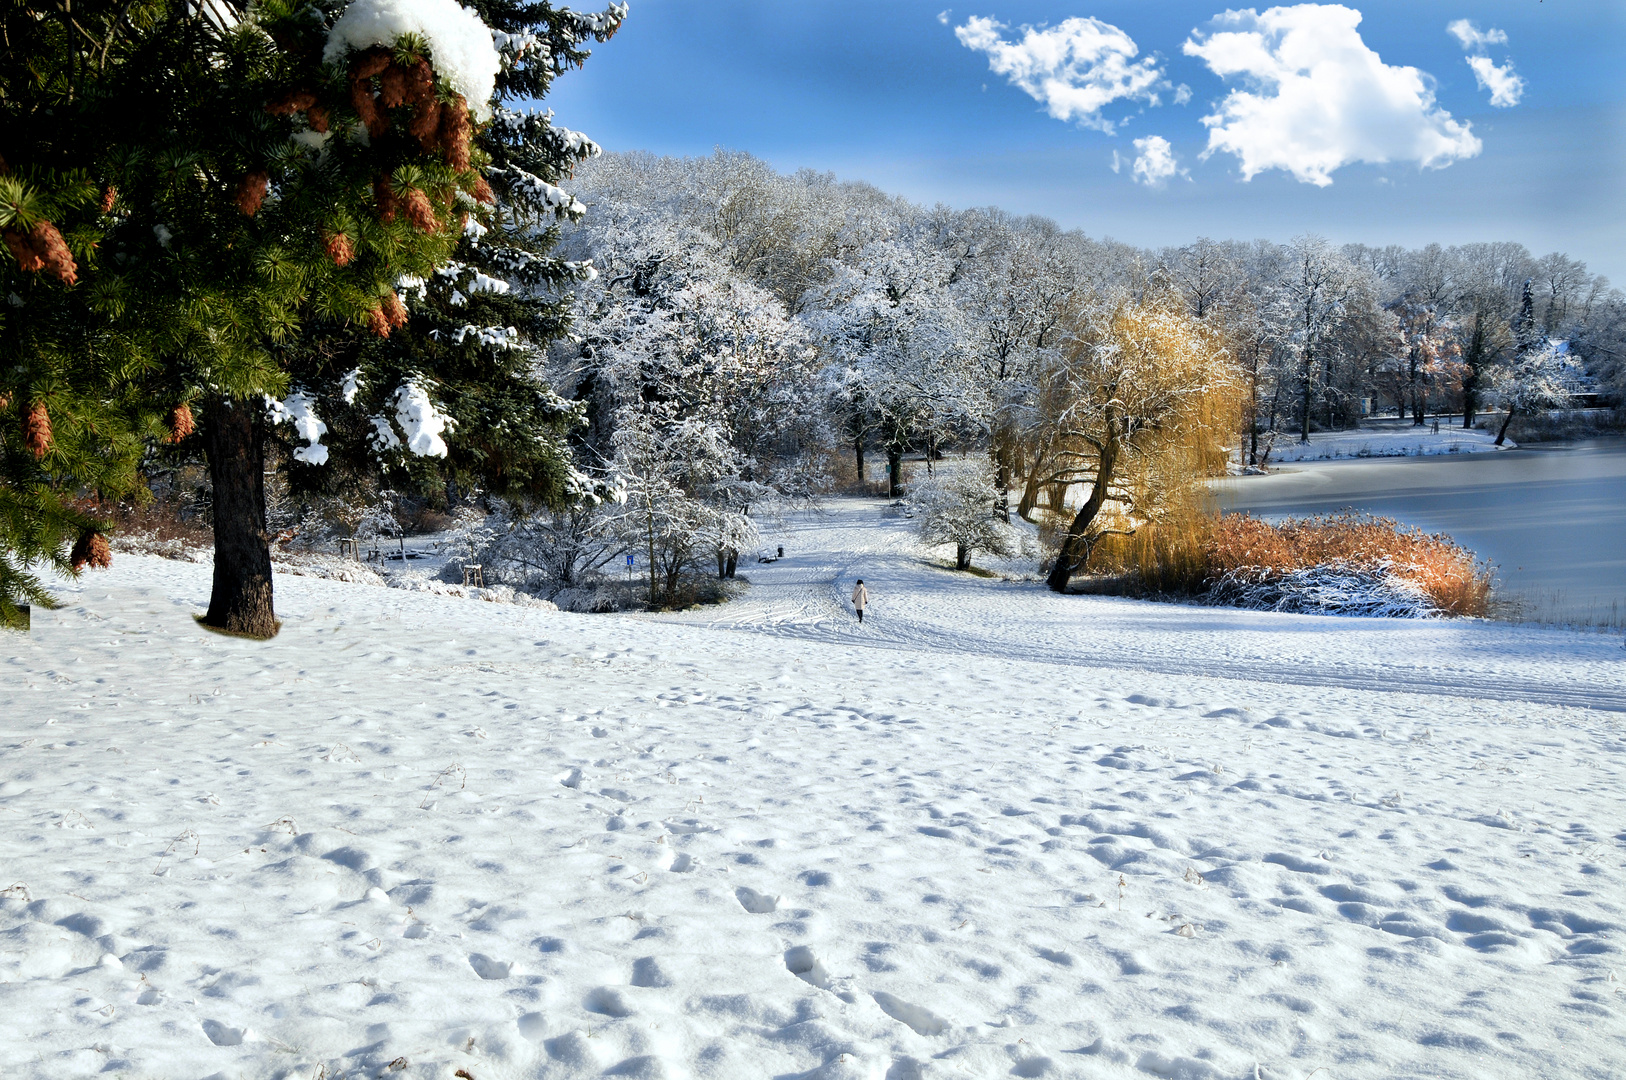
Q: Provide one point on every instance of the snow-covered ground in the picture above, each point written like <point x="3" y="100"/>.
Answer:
<point x="1383" y="440"/>
<point x="991" y="832"/>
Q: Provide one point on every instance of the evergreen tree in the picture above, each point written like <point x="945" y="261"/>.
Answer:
<point x="73" y="416"/>
<point x="278" y="175"/>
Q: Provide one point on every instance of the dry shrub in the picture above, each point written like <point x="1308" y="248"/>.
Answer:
<point x="1454" y="580"/>
<point x="1166" y="556"/>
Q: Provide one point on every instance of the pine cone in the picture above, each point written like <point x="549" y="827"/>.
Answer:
<point x="319" y="119"/>
<point x="91" y="549"/>
<point x="5" y="401"/>
<point x="425" y="126"/>
<point x="37" y="429"/>
<point x="108" y="198"/>
<point x="483" y="192"/>
<point x="251" y="192"/>
<point x="361" y="96"/>
<point x="394" y="310"/>
<point x="181" y="423"/>
<point x="415" y="204"/>
<point x="291" y="102"/>
<point x="22" y="249"/>
<point x="370" y="63"/>
<point x="378" y="322"/>
<point x="392" y="86"/>
<point x="340" y="249"/>
<point x="455" y="130"/>
<point x="420" y="79"/>
<point x="387" y="202"/>
<point x="54" y="253"/>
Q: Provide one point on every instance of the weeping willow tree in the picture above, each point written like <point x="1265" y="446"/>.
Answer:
<point x="1137" y="410"/>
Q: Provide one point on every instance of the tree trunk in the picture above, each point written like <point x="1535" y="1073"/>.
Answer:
<point x="732" y="565"/>
<point x="1502" y="433"/>
<point x="241" y="602"/>
<point x="858" y="452"/>
<point x="1304" y="410"/>
<point x="962" y="557"/>
<point x="722" y="565"/>
<point x="1075" y="549"/>
<point x="894" y="473"/>
<point x="1002" y="484"/>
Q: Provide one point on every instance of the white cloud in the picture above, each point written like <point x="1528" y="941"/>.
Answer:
<point x="1506" y="88"/>
<point x="1319" y="98"/>
<point x="1182" y="94"/>
<point x="1075" y="68"/>
<point x="943" y="16"/>
<point x="1155" y="162"/>
<point x="1473" y="39"/>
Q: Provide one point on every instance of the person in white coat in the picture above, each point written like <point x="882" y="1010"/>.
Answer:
<point x="860" y="598"/>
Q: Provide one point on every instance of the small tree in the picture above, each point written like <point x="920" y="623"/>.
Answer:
<point x="960" y="509"/>
<point x="1139" y="408"/>
<point x="1540" y="378"/>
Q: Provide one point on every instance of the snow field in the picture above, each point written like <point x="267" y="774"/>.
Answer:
<point x="417" y="834"/>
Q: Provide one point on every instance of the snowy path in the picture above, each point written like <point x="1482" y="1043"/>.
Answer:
<point x="417" y="834"/>
<point x="919" y="606"/>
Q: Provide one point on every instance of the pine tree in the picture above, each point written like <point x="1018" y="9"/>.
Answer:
<point x="73" y="415"/>
<point x="277" y="175"/>
<point x="468" y="352"/>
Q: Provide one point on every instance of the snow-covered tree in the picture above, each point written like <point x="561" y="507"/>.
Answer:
<point x="957" y="507"/>
<point x="1541" y="377"/>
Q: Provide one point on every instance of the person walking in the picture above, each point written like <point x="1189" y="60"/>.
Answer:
<point x="860" y="598"/>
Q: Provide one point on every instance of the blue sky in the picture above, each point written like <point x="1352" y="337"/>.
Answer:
<point x="888" y="92"/>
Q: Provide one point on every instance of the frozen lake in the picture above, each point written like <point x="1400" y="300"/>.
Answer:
<point x="1552" y="518"/>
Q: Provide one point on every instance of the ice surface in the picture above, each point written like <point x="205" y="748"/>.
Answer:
<point x="991" y="832"/>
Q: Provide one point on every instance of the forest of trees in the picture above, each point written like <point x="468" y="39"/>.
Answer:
<point x="751" y="338"/>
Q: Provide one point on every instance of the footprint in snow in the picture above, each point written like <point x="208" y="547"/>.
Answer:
<point x="221" y="1035"/>
<point x="607" y="1001"/>
<point x="801" y="963"/>
<point x="647" y="972"/>
<point x="488" y="968"/>
<point x="921" y="1020"/>
<point x="756" y="903"/>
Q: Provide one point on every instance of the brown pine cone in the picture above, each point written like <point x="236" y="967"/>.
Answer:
<point x="415" y="204"/>
<point x="92" y="550"/>
<point x="340" y="249"/>
<point x="251" y="192"/>
<point x="181" y="423"/>
<point x="37" y="429"/>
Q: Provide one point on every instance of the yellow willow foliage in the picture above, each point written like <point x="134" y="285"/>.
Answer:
<point x="1153" y="391"/>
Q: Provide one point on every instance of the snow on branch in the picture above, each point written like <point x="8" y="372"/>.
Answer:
<point x="538" y="191"/>
<point x="460" y="45"/>
<point x="299" y="409"/>
<point x="498" y="337"/>
<point x="421" y="421"/>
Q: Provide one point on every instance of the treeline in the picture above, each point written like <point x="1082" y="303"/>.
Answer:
<point x="752" y="338"/>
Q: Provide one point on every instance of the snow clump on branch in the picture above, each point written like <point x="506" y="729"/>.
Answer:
<point x="421" y="421"/>
<point x="300" y="410"/>
<point x="460" y="44"/>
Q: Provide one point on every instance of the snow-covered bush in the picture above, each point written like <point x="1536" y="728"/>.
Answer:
<point x="1247" y="558"/>
<point x="1339" y="588"/>
<point x="958" y="508"/>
